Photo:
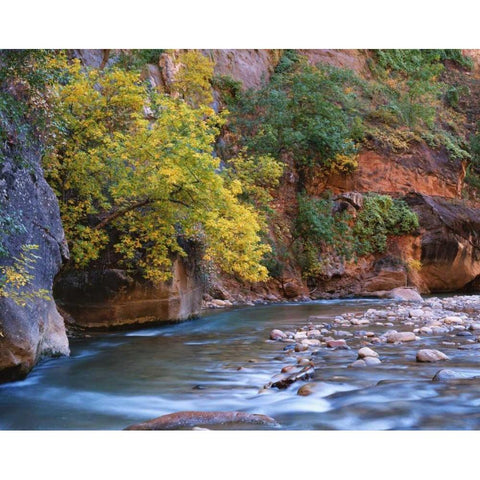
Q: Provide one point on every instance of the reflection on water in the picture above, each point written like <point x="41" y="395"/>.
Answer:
<point x="220" y="361"/>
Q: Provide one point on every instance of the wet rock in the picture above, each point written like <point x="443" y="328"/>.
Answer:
<point x="182" y="420"/>
<point x="306" y="389"/>
<point x="288" y="368"/>
<point x="428" y="355"/>
<point x="358" y="363"/>
<point x="367" y="352"/>
<point x="371" y="361"/>
<point x="300" y="335"/>
<point x="337" y="343"/>
<point x="425" y="330"/>
<point x="300" y="347"/>
<point x="472" y="346"/>
<point x="276" y="334"/>
<point x="305" y="373"/>
<point x="452" y="320"/>
<point x="446" y="375"/>
<point x="400" y="337"/>
<point x="406" y="294"/>
<point x="311" y="342"/>
<point x="304" y="361"/>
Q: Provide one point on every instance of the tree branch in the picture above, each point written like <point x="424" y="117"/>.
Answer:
<point x="122" y="211"/>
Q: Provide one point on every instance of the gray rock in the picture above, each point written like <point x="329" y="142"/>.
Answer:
<point x="427" y="355"/>
<point x="446" y="375"/>
<point x="277" y="334"/>
<point x="400" y="337"/>
<point x="371" y="361"/>
<point x="36" y="330"/>
<point x="367" y="352"/>
<point x="405" y="294"/>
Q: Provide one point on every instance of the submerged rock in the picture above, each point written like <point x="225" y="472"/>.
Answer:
<point x="446" y="375"/>
<point x="182" y="420"/>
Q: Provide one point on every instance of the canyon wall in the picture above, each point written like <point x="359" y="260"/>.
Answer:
<point x="36" y="330"/>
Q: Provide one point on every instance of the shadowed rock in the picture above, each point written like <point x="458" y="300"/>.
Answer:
<point x="184" y="420"/>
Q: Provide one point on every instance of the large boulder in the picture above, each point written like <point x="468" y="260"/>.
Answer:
<point x="30" y="332"/>
<point x="189" y="420"/>
<point x="450" y="242"/>
<point x="114" y="298"/>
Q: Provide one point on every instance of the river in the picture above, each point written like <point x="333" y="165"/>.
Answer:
<point x="220" y="361"/>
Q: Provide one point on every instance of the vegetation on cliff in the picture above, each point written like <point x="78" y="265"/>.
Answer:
<point x="134" y="168"/>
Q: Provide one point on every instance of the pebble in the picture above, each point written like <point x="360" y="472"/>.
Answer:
<point x="311" y="342"/>
<point x="427" y="355"/>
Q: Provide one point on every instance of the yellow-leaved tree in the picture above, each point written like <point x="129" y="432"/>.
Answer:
<point x="134" y="169"/>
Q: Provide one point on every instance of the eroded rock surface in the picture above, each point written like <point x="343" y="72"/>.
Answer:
<point x="35" y="330"/>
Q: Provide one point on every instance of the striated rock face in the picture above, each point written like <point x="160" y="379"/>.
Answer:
<point x="450" y="242"/>
<point x="37" y="329"/>
<point x="112" y="299"/>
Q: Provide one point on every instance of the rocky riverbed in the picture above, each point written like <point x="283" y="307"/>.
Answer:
<point x="366" y="340"/>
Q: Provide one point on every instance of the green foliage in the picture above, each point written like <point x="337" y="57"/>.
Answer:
<point x="25" y="76"/>
<point x="380" y="217"/>
<point x="305" y="112"/>
<point x="412" y="104"/>
<point x="322" y="232"/>
<point x="136" y="59"/>
<point x="230" y="89"/>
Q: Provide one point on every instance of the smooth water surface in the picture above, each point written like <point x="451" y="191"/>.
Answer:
<point x="220" y="361"/>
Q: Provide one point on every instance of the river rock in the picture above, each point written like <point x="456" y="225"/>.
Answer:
<point x="427" y="355"/>
<point x="276" y="334"/>
<point x="340" y="343"/>
<point x="405" y="294"/>
<point x="311" y="342"/>
<point x="300" y="347"/>
<point x="306" y="389"/>
<point x="400" y="337"/>
<point x="358" y="363"/>
<point x="452" y="320"/>
<point x="446" y="375"/>
<point x="182" y="420"/>
<point x="371" y="361"/>
<point x="367" y="352"/>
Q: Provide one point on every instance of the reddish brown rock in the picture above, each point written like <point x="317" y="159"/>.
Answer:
<point x="188" y="420"/>
<point x="337" y="343"/>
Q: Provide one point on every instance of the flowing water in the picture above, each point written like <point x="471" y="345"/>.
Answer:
<point x="112" y="380"/>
